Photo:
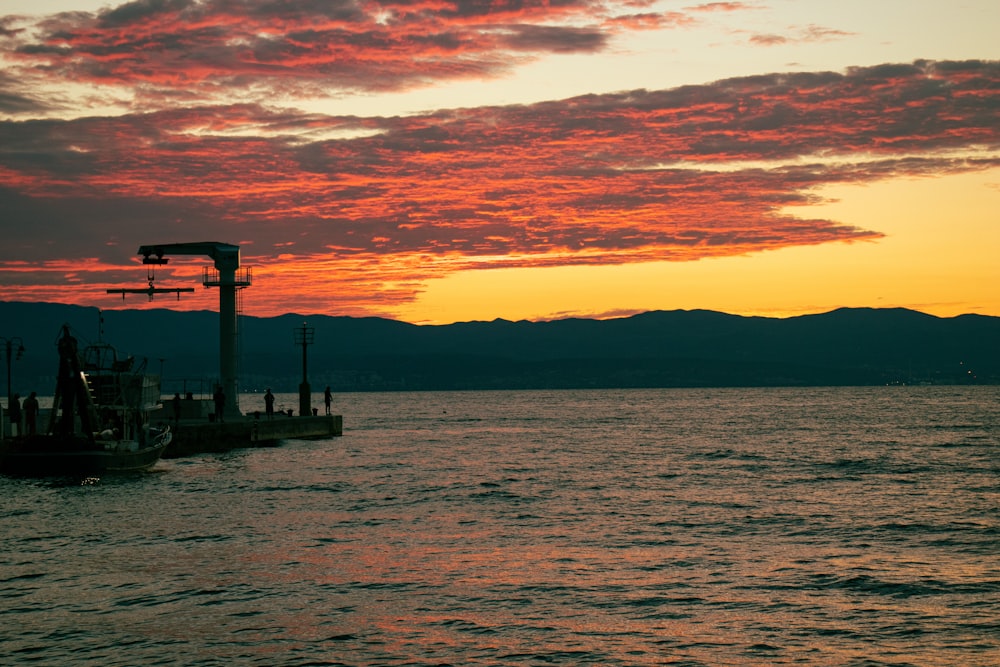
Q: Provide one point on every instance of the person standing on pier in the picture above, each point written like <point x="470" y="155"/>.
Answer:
<point x="220" y="404"/>
<point x="31" y="413"/>
<point x="14" y="412"/>
<point x="327" y="398"/>
<point x="269" y="403"/>
<point x="177" y="408"/>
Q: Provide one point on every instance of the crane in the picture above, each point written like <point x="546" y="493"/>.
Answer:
<point x="228" y="278"/>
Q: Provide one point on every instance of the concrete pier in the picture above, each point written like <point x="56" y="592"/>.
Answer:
<point x="197" y="436"/>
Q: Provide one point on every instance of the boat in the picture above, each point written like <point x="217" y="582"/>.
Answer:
<point x="100" y="421"/>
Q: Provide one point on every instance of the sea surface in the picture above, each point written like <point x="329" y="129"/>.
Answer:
<point x="829" y="526"/>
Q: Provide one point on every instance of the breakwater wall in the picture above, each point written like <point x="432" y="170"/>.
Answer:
<point x="198" y="437"/>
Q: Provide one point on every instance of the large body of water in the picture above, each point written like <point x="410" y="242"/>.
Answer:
<point x="645" y="527"/>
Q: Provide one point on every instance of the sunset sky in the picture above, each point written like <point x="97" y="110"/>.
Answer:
<point x="437" y="161"/>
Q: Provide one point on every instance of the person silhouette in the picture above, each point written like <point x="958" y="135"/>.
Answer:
<point x="14" y="412"/>
<point x="31" y="413"/>
<point x="220" y="404"/>
<point x="269" y="403"/>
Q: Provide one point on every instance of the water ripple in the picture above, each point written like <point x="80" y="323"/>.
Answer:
<point x="646" y="527"/>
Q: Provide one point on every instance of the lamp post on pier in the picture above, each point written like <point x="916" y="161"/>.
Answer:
<point x="9" y="345"/>
<point x="305" y="336"/>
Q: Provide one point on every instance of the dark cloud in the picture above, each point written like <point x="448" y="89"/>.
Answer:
<point x="5" y="30"/>
<point x="16" y="98"/>
<point x="142" y="10"/>
<point x="556" y="39"/>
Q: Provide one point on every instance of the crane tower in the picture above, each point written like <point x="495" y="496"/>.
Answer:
<point x="228" y="277"/>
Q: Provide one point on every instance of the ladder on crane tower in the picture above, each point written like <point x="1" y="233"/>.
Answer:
<point x="243" y="279"/>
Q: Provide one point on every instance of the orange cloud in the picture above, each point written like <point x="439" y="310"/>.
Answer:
<point x="354" y="214"/>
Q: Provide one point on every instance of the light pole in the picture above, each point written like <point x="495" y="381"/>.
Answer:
<point x="9" y="344"/>
<point x="304" y="336"/>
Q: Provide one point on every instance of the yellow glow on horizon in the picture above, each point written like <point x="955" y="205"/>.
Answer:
<point x="938" y="257"/>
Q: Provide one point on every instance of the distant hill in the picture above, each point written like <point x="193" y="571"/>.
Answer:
<point x="657" y="349"/>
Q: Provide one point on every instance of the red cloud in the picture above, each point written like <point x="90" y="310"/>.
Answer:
<point x="212" y="48"/>
<point x="698" y="171"/>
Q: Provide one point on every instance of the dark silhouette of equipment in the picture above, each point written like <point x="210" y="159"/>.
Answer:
<point x="304" y="336"/>
<point x="72" y="398"/>
<point x="228" y="276"/>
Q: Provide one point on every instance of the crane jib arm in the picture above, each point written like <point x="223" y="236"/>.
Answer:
<point x="226" y="255"/>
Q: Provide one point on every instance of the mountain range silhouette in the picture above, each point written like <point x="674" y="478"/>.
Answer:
<point x="698" y="348"/>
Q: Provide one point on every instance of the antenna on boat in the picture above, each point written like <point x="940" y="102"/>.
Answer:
<point x="100" y="325"/>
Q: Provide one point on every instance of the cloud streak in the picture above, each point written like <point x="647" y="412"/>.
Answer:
<point x="378" y="205"/>
<point x="811" y="33"/>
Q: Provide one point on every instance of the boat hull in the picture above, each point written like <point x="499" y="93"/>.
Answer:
<point x="100" y="418"/>
<point x="50" y="457"/>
